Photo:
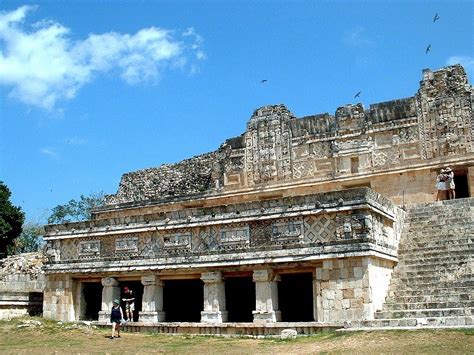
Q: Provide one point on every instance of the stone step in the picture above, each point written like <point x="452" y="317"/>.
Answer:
<point x="436" y="231"/>
<point x="457" y="297"/>
<point x="433" y="250"/>
<point x="431" y="270"/>
<point x="401" y="268"/>
<point x="460" y="213"/>
<point x="433" y="286"/>
<point x="413" y="322"/>
<point x="453" y="290"/>
<point x="428" y="278"/>
<point x="442" y="204"/>
<point x="424" y="313"/>
<point x="427" y="305"/>
<point x="435" y="259"/>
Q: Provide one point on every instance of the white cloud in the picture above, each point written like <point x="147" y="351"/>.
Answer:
<point x="356" y="37"/>
<point x="44" y="65"/>
<point x="466" y="61"/>
<point x="49" y="152"/>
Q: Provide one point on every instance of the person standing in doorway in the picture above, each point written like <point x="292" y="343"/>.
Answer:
<point x="442" y="185"/>
<point x="116" y="318"/>
<point x="450" y="183"/>
<point x="129" y="299"/>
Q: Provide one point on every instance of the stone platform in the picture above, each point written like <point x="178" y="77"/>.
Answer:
<point x="227" y="329"/>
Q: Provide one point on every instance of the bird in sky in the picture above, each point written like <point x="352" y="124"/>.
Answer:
<point x="263" y="81"/>
<point x="357" y="95"/>
<point x="436" y="17"/>
<point x="428" y="49"/>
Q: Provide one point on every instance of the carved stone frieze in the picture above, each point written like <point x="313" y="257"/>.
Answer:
<point x="90" y="248"/>
<point x="126" y="244"/>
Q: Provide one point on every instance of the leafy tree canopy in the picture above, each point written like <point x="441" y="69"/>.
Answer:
<point x="77" y="210"/>
<point x="29" y="240"/>
<point x="11" y="220"/>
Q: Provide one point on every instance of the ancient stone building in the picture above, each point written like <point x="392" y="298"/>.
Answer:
<point x="295" y="220"/>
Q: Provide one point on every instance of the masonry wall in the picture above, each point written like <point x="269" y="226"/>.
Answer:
<point x="59" y="298"/>
<point x="351" y="288"/>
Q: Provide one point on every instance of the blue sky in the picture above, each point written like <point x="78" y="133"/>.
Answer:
<point x="90" y="90"/>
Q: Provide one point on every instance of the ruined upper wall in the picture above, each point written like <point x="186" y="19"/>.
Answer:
<point x="435" y="124"/>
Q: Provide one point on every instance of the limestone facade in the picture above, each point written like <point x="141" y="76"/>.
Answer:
<point x="291" y="197"/>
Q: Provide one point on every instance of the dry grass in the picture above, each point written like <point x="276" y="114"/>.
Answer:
<point x="54" y="338"/>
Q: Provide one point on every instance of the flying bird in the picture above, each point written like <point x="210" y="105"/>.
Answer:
<point x="263" y="81"/>
<point x="436" y="17"/>
<point x="357" y="95"/>
<point x="428" y="49"/>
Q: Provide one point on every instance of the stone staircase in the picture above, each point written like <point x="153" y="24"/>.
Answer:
<point x="433" y="282"/>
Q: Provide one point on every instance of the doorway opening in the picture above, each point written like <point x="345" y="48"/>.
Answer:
<point x="295" y="297"/>
<point x="240" y="298"/>
<point x="137" y="291"/>
<point x="461" y="184"/>
<point x="92" y="296"/>
<point x="183" y="300"/>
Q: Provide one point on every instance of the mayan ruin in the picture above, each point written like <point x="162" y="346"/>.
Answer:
<point x="328" y="220"/>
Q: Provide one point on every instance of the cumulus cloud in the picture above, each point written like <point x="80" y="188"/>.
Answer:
<point x="42" y="64"/>
<point x="466" y="61"/>
<point x="356" y="37"/>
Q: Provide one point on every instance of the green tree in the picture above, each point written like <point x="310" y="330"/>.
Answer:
<point x="11" y="220"/>
<point x="77" y="210"/>
<point x="29" y="240"/>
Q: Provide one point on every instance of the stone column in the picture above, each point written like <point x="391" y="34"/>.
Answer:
<point x="152" y="301"/>
<point x="214" y="298"/>
<point x="110" y="292"/>
<point x="266" y="292"/>
<point x="317" y="296"/>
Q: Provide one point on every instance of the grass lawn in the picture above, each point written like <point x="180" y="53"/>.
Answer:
<point x="52" y="337"/>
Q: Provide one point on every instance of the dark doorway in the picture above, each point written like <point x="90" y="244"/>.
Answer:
<point x="183" y="300"/>
<point x="462" y="189"/>
<point x="92" y="293"/>
<point x="295" y="297"/>
<point x="137" y="288"/>
<point x="240" y="298"/>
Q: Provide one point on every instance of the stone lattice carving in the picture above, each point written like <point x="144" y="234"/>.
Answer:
<point x="302" y="169"/>
<point x="383" y="157"/>
<point x="319" y="228"/>
<point x="206" y="238"/>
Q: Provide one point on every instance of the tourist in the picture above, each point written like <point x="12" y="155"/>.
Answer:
<point x="129" y="300"/>
<point x="441" y="185"/>
<point x="116" y="318"/>
<point x="450" y="183"/>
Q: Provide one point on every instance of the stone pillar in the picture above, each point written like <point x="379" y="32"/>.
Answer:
<point x="317" y="297"/>
<point x="214" y="298"/>
<point x="152" y="301"/>
<point x="110" y="292"/>
<point x="266" y="292"/>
